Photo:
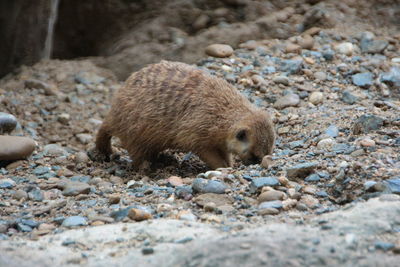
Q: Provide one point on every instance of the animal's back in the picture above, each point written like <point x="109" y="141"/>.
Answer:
<point x="172" y="105"/>
<point x="178" y="102"/>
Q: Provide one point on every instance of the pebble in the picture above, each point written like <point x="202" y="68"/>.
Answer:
<point x="24" y="228"/>
<point x="211" y="174"/>
<point x="217" y="199"/>
<point x="266" y="161"/>
<point x="16" y="147"/>
<point x="392" y="78"/>
<point x="138" y="215"/>
<point x="393" y="185"/>
<point x="74" y="221"/>
<point x="84" y="138"/>
<point x="54" y="150"/>
<point x="316" y="98"/>
<point x="40" y="170"/>
<point x="201" y="185"/>
<point x="367" y="142"/>
<point x="88" y="78"/>
<point x="312" y="178"/>
<point x="175" y="181"/>
<point x="37" y="84"/>
<point x="328" y="54"/>
<point x="258" y="183"/>
<point x="368" y="45"/>
<point x="276" y="204"/>
<point x="291" y="66"/>
<point x="119" y="215"/>
<point x="364" y="79"/>
<point x="268" y="211"/>
<point x="289" y="100"/>
<point x="184" y="191"/>
<point x="319" y="75"/>
<point x="186" y="215"/>
<point x="19" y="194"/>
<point x="114" y="199"/>
<point x="300" y="170"/>
<point x="46" y="227"/>
<point x="326" y="144"/>
<point x="7" y="123"/>
<point x="219" y="50"/>
<point x="309" y="190"/>
<point x="81" y="157"/>
<point x="385" y="246"/>
<point x="345" y="48"/>
<point x="36" y="195"/>
<point x="348" y="98"/>
<point x="281" y="80"/>
<point x="147" y="251"/>
<point x="6" y="183"/>
<point x="289" y="203"/>
<point x="306" y="42"/>
<point x="64" y="118"/>
<point x="271" y="195"/>
<point x="76" y="188"/>
<point x="292" y="48"/>
<point x="332" y="131"/>
<point x="310" y="201"/>
<point x="367" y="123"/>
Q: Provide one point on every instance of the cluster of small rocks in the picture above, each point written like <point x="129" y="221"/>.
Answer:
<point x="332" y="97"/>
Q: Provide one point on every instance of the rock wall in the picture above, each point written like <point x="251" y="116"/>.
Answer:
<point x="23" y="30"/>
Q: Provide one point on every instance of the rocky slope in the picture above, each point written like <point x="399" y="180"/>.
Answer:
<point x="329" y="192"/>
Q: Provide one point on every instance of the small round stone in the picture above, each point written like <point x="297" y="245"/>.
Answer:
<point x="345" y="48"/>
<point x="281" y="80"/>
<point x="54" y="150"/>
<point x="268" y="211"/>
<point x="319" y="75"/>
<point x="289" y="100"/>
<point x="138" y="215"/>
<point x="266" y="161"/>
<point x="175" y="181"/>
<point x="316" y="98"/>
<point x="64" y="118"/>
<point x="16" y="147"/>
<point x="20" y="194"/>
<point x="306" y="42"/>
<point x="219" y="50"/>
<point x="74" y="221"/>
<point x="326" y="144"/>
<point x="292" y="48"/>
<point x="81" y="157"/>
<point x="7" y="123"/>
<point x="270" y="196"/>
<point x="367" y="142"/>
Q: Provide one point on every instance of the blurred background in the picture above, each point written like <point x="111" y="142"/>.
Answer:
<point x="124" y="35"/>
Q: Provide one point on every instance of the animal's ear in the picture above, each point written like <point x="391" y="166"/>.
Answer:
<point x="242" y="135"/>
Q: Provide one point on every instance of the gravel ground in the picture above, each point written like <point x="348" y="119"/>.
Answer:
<point x="335" y="103"/>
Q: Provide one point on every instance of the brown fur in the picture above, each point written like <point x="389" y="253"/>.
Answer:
<point x="172" y="105"/>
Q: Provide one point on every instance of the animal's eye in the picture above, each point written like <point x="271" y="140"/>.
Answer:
<point x="241" y="135"/>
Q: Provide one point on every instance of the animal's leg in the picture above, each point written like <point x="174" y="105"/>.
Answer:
<point x="214" y="159"/>
<point x="103" y="142"/>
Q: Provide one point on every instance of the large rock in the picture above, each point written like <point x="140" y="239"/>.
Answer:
<point x="15" y="147"/>
<point x="333" y="239"/>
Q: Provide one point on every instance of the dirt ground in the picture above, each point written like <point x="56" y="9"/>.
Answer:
<point x="330" y="192"/>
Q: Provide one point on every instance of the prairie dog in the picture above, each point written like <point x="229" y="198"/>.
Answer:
<point x="171" y="105"/>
